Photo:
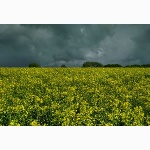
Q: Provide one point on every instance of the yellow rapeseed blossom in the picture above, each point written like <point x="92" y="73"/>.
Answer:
<point x="75" y="96"/>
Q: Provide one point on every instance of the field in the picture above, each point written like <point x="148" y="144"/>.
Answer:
<point x="75" y="96"/>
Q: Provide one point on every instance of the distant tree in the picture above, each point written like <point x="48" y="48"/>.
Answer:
<point x="92" y="64"/>
<point x="34" y="65"/>
<point x="134" y="65"/>
<point x="145" y="65"/>
<point x="86" y="64"/>
<point x="113" y="65"/>
<point x="63" y="66"/>
<point x="127" y="66"/>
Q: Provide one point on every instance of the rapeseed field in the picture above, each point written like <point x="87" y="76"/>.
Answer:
<point x="75" y="96"/>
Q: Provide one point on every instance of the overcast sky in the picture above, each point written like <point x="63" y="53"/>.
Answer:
<point x="54" y="45"/>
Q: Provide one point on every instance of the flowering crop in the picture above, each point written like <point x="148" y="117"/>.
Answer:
<point x="75" y="96"/>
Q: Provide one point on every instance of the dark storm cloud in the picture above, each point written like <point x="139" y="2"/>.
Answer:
<point x="53" y="45"/>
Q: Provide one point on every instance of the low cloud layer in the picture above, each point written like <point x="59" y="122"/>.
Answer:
<point x="54" y="45"/>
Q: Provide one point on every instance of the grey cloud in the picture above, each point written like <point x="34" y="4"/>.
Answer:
<point x="53" y="45"/>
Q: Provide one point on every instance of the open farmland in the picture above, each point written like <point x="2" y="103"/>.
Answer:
<point x="75" y="96"/>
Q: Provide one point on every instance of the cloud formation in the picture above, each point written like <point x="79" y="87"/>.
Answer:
<point x="54" y="45"/>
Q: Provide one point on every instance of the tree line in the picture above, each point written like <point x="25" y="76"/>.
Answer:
<point x="97" y="64"/>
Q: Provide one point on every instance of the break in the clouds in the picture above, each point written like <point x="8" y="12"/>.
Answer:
<point x="54" y="45"/>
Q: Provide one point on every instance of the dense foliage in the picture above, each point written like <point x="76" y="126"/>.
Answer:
<point x="63" y="66"/>
<point x="75" y="96"/>
<point x="34" y="65"/>
<point x="136" y="65"/>
<point x="145" y="65"/>
<point x="92" y="64"/>
<point x="97" y="64"/>
<point x="113" y="65"/>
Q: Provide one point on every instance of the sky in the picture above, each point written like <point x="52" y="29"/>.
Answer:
<point x="73" y="44"/>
